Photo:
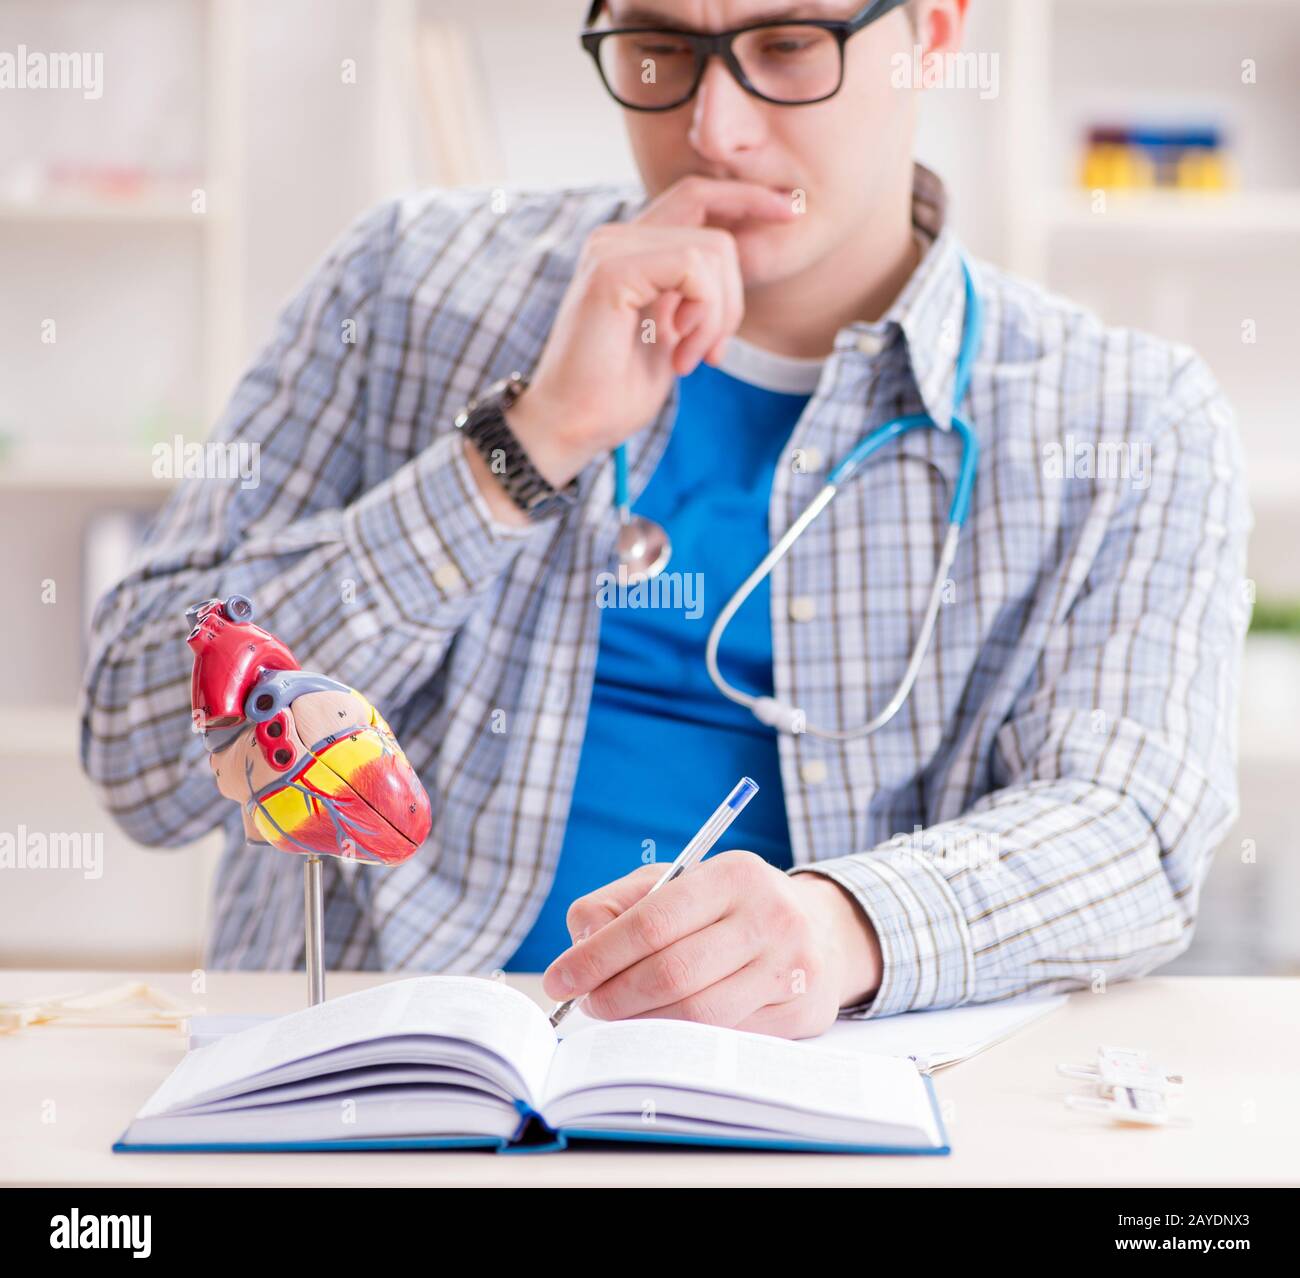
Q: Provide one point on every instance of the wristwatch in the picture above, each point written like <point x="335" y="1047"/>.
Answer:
<point x="484" y="422"/>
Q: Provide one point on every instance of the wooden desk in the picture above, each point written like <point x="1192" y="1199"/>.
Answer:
<point x="1235" y="1039"/>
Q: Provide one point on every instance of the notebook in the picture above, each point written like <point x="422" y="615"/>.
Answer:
<point x="435" y="1062"/>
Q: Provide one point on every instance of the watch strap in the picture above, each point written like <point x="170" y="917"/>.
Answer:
<point x="483" y="421"/>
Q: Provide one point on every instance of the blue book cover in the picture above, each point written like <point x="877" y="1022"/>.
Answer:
<point x="450" y="1062"/>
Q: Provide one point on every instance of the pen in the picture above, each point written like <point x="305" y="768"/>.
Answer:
<point x="709" y="833"/>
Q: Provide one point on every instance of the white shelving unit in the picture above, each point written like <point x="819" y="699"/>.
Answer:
<point x="56" y="473"/>
<point x="68" y="217"/>
<point x="1194" y="267"/>
<point x="1050" y="77"/>
<point x="1207" y="214"/>
<point x="155" y="207"/>
<point x="1191" y="266"/>
<point x="108" y="257"/>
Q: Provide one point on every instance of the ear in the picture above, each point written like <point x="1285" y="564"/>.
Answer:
<point x="940" y="25"/>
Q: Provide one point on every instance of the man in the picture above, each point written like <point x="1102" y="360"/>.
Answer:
<point x="1039" y="815"/>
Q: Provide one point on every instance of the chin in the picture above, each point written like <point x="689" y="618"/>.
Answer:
<point x="763" y="258"/>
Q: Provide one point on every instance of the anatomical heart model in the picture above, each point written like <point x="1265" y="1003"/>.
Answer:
<point x="313" y="765"/>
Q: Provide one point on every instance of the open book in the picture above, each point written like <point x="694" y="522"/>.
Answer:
<point x="445" y="1061"/>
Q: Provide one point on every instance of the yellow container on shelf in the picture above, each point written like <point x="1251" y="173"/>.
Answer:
<point x="1203" y="170"/>
<point x="1115" y="166"/>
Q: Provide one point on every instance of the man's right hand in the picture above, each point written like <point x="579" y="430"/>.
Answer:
<point x="605" y="371"/>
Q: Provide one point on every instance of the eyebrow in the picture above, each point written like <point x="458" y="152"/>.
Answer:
<point x="789" y="12"/>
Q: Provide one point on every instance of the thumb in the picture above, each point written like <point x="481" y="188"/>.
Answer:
<point x="588" y="914"/>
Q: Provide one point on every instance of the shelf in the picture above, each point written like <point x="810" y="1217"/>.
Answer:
<point x="94" y="468"/>
<point x="169" y="208"/>
<point x="41" y="732"/>
<point x="1202" y="213"/>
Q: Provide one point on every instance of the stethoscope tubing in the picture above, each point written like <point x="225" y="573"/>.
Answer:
<point x="770" y="710"/>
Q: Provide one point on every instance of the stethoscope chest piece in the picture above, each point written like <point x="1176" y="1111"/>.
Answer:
<point x="643" y="547"/>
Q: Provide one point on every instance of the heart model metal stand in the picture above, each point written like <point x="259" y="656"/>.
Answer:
<point x="312" y="764"/>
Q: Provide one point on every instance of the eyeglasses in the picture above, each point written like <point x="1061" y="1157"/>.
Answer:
<point x="790" y="63"/>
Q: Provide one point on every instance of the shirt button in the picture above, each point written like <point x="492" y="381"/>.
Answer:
<point x="446" y="576"/>
<point x="802" y="608"/>
<point x="813" y="772"/>
<point x="871" y="343"/>
<point x="812" y="460"/>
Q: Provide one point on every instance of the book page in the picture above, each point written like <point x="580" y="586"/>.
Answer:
<point x="472" y="1009"/>
<point x="794" y="1075"/>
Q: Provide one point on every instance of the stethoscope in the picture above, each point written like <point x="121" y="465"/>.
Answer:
<point x="644" y="548"/>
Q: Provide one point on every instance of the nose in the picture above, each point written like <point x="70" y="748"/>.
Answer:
<point x="725" y="120"/>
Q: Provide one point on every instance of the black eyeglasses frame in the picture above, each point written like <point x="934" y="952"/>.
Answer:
<point x="705" y="45"/>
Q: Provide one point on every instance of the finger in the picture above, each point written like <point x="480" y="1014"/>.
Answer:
<point x="731" y="298"/>
<point x="717" y="352"/>
<point x="701" y="201"/>
<point x="735" y="285"/>
<point x="699" y="266"/>
<point x="669" y="977"/>
<point x="733" y="295"/>
<point x="590" y="913"/>
<point x="699" y="897"/>
<point x="661" y="313"/>
<point x="640" y="278"/>
<point x="687" y="320"/>
<point x="705" y="332"/>
<point x="729" y="1002"/>
<point x="790" y="1019"/>
<point x="718" y="245"/>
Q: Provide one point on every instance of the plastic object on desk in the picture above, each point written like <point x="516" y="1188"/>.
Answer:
<point x="1131" y="1088"/>
<point x="132" y="1003"/>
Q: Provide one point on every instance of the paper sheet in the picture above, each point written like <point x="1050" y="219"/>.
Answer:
<point x="936" y="1039"/>
<point x="932" y="1039"/>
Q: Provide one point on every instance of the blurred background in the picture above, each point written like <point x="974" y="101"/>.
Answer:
<point x="1142" y="156"/>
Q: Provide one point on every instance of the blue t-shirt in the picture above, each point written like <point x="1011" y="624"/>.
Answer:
<point x="663" y="746"/>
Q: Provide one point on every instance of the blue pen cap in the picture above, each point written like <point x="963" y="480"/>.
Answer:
<point x="746" y="789"/>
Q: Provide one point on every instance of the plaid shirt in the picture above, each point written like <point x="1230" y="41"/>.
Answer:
<point x="1039" y="816"/>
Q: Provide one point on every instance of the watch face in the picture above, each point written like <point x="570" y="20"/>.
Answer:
<point x="506" y="389"/>
<point x="542" y="504"/>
